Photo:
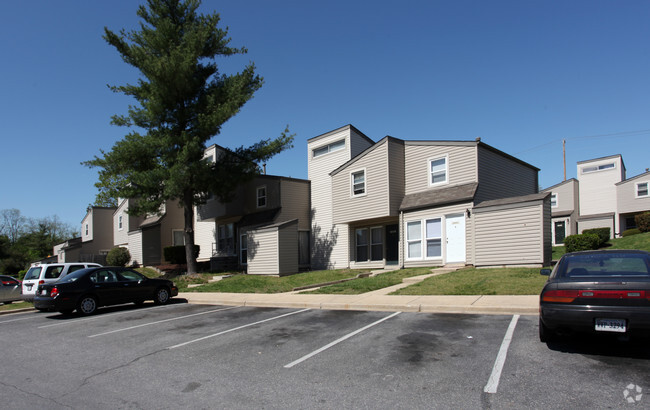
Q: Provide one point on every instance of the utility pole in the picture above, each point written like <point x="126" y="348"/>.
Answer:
<point x="564" y="157"/>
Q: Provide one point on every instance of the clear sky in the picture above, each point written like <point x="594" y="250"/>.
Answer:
<point x="522" y="75"/>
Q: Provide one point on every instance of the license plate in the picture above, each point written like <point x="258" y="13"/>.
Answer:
<point x="611" y="325"/>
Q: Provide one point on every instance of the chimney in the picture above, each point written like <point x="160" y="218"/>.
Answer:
<point x="264" y="169"/>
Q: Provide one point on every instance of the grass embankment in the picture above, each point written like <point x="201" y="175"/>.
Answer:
<point x="364" y="285"/>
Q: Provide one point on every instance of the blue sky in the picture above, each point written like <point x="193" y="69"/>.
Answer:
<point x="522" y="75"/>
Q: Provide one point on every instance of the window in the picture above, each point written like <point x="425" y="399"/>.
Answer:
<point x="414" y="239"/>
<point x="434" y="238"/>
<point x="86" y="229"/>
<point x="358" y="183"/>
<point x="641" y="189"/>
<point x="261" y="197"/>
<point x="369" y="247"/>
<point x="243" y="248"/>
<point x="178" y="239"/>
<point x="376" y="244"/>
<point x="362" y="245"/>
<point x="225" y="239"/>
<point x="595" y="168"/>
<point x="334" y="146"/>
<point x="553" y="200"/>
<point x="438" y="171"/>
<point x="119" y="222"/>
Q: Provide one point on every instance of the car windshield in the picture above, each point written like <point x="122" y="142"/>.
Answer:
<point x="74" y="276"/>
<point x="605" y="264"/>
<point x="33" y="273"/>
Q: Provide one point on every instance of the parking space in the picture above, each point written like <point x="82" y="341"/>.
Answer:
<point x="237" y="357"/>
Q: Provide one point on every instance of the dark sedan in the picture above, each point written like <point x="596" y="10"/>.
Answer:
<point x="605" y="291"/>
<point x="87" y="289"/>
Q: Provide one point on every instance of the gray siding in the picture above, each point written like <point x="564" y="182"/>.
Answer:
<point x="295" y="199"/>
<point x="461" y="164"/>
<point x="626" y="195"/>
<point x="512" y="235"/>
<point x="263" y="257"/>
<point x="396" y="177"/>
<point x="502" y="177"/>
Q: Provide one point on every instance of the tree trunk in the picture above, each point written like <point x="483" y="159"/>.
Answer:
<point x="188" y="213"/>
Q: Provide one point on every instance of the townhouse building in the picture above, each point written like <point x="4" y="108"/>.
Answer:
<point x="95" y="241"/>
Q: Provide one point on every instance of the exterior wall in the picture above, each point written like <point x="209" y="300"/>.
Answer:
<point x="134" y="245"/>
<point x="173" y="220"/>
<point x="329" y="245"/>
<point x="288" y="249"/>
<point x="370" y="264"/>
<point x="440" y="212"/>
<point x="263" y="254"/>
<point x="461" y="160"/>
<point x="500" y="176"/>
<point x="396" y="175"/>
<point x="295" y="200"/>
<point x="87" y="227"/>
<point x="205" y="236"/>
<point x="626" y="194"/>
<point x="597" y="189"/>
<point x="510" y="234"/>
<point x="566" y="209"/>
<point x="605" y="221"/>
<point x="120" y="236"/>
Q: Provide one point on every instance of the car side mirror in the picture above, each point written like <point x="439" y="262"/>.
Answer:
<point x="545" y="272"/>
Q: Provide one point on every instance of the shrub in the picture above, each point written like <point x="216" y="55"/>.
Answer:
<point x="643" y="221"/>
<point x="118" y="257"/>
<point x="176" y="254"/>
<point x="630" y="232"/>
<point x="582" y="242"/>
<point x="602" y="233"/>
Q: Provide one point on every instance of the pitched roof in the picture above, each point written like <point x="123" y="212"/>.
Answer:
<point x="440" y="196"/>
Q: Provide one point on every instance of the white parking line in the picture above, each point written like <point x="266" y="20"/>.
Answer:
<point x="493" y="381"/>
<point x="163" y="321"/>
<point x="67" y="322"/>
<point x="236" y="328"/>
<point x="337" y="341"/>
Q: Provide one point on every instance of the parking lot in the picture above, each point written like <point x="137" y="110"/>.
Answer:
<point x="200" y="356"/>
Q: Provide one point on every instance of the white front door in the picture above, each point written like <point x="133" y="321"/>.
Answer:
<point x="455" y="232"/>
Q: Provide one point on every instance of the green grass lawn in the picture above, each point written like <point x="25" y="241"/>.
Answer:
<point x="472" y="281"/>
<point x="363" y="285"/>
<point x="16" y="305"/>
<point x="270" y="284"/>
<point x="640" y="241"/>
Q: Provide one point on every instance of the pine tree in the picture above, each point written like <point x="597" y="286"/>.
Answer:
<point x="183" y="100"/>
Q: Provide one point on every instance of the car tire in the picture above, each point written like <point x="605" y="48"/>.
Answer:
<point x="161" y="296"/>
<point x="546" y="335"/>
<point x="87" y="305"/>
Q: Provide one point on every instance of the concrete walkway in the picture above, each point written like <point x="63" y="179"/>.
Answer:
<point x="378" y="300"/>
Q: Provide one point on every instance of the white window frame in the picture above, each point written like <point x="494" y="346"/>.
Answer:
<point x="647" y="189"/>
<point x="86" y="230"/>
<point x="424" y="239"/>
<point x="430" y="174"/>
<point x="328" y="148"/>
<point x="120" y="222"/>
<point x="597" y="168"/>
<point x="264" y="197"/>
<point x="410" y="241"/>
<point x="352" y="184"/>
<point x="554" y="200"/>
<point x="425" y="244"/>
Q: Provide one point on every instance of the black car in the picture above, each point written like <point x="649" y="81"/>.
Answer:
<point x="606" y="291"/>
<point x="87" y="289"/>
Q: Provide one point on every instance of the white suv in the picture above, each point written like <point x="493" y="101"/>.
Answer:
<point x="39" y="274"/>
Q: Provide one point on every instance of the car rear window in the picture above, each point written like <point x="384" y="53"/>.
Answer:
<point x="609" y="264"/>
<point x="33" y="273"/>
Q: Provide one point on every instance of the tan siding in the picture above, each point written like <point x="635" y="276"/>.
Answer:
<point x="604" y="222"/>
<point x="598" y="189"/>
<point x="502" y="177"/>
<point x="288" y="249"/>
<point x="103" y="228"/>
<point x="395" y="175"/>
<point x="135" y="246"/>
<point x="627" y="200"/>
<point x="375" y="202"/>
<point x="204" y="236"/>
<point x="173" y="220"/>
<point x="120" y="236"/>
<point x="566" y="196"/>
<point x="263" y="257"/>
<point x="294" y="196"/>
<point x="511" y="235"/>
<point x="461" y="165"/>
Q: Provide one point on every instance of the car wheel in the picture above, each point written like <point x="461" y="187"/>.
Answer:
<point x="161" y="297"/>
<point x="87" y="305"/>
<point x="546" y="335"/>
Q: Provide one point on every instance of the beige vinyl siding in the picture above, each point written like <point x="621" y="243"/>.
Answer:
<point x="87" y="222"/>
<point x="263" y="256"/>
<point x="358" y="143"/>
<point x="295" y="199"/>
<point x="604" y="221"/>
<point x="512" y="234"/>
<point x="120" y="236"/>
<point x="440" y="212"/>
<point x="598" y="189"/>
<point x="204" y="236"/>
<point x="103" y="228"/>
<point x="174" y="220"/>
<point x="567" y="196"/>
<point x="502" y="177"/>
<point x="374" y="203"/>
<point x="135" y="246"/>
<point x="396" y="178"/>
<point x="461" y="164"/>
<point x="626" y="196"/>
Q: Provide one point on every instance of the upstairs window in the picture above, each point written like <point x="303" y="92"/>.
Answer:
<point x="334" y="146"/>
<point x="358" y="183"/>
<point x="261" y="197"/>
<point x="596" y="168"/>
<point x="120" y="224"/>
<point x="641" y="189"/>
<point x="553" y="200"/>
<point x="437" y="171"/>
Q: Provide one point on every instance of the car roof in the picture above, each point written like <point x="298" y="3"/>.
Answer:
<point x="606" y="251"/>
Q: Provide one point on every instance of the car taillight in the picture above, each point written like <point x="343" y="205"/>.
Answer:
<point x="54" y="292"/>
<point x="41" y="282"/>
<point x="613" y="294"/>
<point x="559" y="296"/>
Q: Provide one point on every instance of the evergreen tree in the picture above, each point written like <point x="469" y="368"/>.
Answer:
<point x="183" y="100"/>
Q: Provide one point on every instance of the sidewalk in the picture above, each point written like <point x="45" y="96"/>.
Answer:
<point x="378" y="300"/>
